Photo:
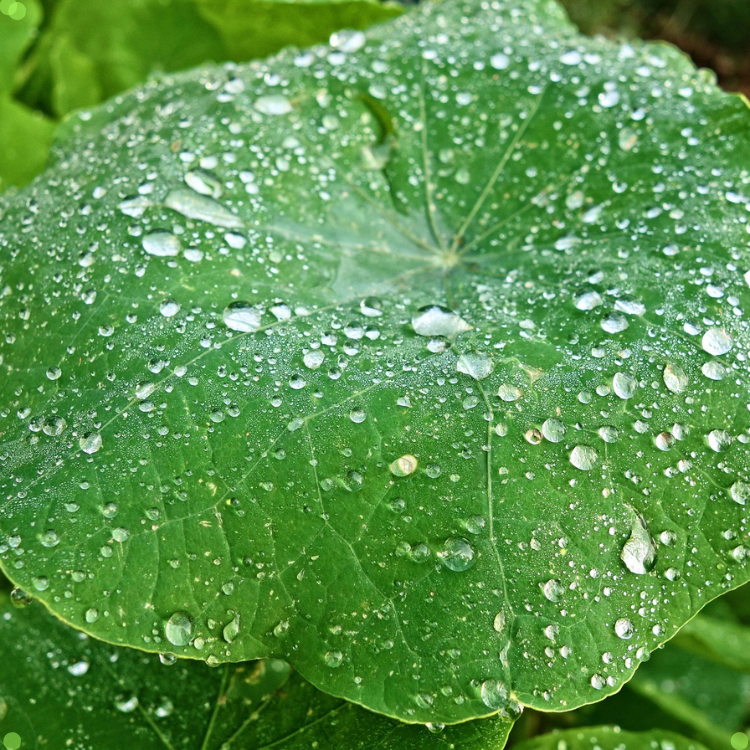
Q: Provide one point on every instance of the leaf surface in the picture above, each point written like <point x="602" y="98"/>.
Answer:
<point x="61" y="690"/>
<point x="418" y="361"/>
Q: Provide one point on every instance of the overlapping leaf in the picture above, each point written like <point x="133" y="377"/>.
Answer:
<point x="418" y="361"/>
<point x="58" y="689"/>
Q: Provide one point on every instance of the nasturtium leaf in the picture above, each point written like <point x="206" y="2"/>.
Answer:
<point x="418" y="361"/>
<point x="59" y="689"/>
<point x="609" y="738"/>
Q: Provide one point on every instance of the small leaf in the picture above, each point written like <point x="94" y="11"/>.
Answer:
<point x="58" y="690"/>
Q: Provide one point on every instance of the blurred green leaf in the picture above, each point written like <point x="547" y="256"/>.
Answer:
<point x="609" y="738"/>
<point x="24" y="135"/>
<point x="252" y="29"/>
<point x="724" y="642"/>
<point x="59" y="689"/>
<point x="92" y="50"/>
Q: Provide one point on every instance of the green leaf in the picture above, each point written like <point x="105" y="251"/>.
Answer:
<point x="25" y="135"/>
<point x="609" y="738"/>
<point x="59" y="690"/>
<point x="256" y="28"/>
<point x="725" y="642"/>
<point x="442" y="400"/>
<point x="91" y="50"/>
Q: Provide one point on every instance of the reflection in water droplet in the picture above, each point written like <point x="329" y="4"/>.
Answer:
<point x="313" y="359"/>
<point x="179" y="629"/>
<point x="553" y="430"/>
<point x="232" y="630"/>
<point x="553" y="590"/>
<point x="624" y="385"/>
<point x="475" y="364"/>
<point x="740" y="492"/>
<point x="624" y="629"/>
<point x="639" y="552"/>
<point x="192" y="205"/>
<point x="404" y="466"/>
<point x="434" y="320"/>
<point x="584" y="457"/>
<point x="333" y="659"/>
<point x="457" y="554"/>
<point x="91" y="442"/>
<point x="273" y="105"/>
<point x="719" y="440"/>
<point x="161" y="244"/>
<point x="716" y="341"/>
<point x="242" y="316"/>
<point x="495" y="694"/>
<point x="675" y="378"/>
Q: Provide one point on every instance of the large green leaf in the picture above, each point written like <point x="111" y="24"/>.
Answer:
<point x="609" y="738"/>
<point x="419" y="362"/>
<point x="60" y="690"/>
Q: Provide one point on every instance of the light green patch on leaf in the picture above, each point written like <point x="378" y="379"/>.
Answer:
<point x="60" y="690"/>
<point x="609" y="738"/>
<point x="24" y="135"/>
<point x="443" y="401"/>
<point x="256" y="28"/>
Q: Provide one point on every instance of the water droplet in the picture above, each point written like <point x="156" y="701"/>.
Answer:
<point x="434" y="320"/>
<point x="192" y="205"/>
<point x="716" y="341"/>
<point x="608" y="433"/>
<point x="204" y="183"/>
<point x="314" y="359"/>
<point x="495" y="694"/>
<point x="91" y="442"/>
<point x="614" y="323"/>
<point x="232" y="629"/>
<point x="92" y="615"/>
<point x="553" y="430"/>
<point x="242" y="316"/>
<point x="169" y="308"/>
<point x="584" y="457"/>
<point x="120" y="534"/>
<point x="499" y="61"/>
<point x="624" y="629"/>
<point x="179" y="629"/>
<point x="19" y="598"/>
<point x="509" y="393"/>
<point x="79" y="668"/>
<point x="357" y="416"/>
<point x="624" y="385"/>
<point x="475" y="364"/>
<point x="588" y="300"/>
<point x="50" y="538"/>
<point x="597" y="682"/>
<point x="273" y="105"/>
<point x="639" y="552"/>
<point x="404" y="466"/>
<point x="719" y="440"/>
<point x="740" y="492"/>
<point x="54" y="373"/>
<point x="128" y="705"/>
<point x="333" y="659"/>
<point x="457" y="554"/>
<point x="675" y="378"/>
<point x="714" y="370"/>
<point x="499" y="622"/>
<point x="553" y="590"/>
<point x="161" y="244"/>
<point x="347" y="40"/>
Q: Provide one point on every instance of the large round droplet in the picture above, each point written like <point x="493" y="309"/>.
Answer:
<point x="404" y="466"/>
<point x="553" y="430"/>
<point x="457" y="554"/>
<point x="624" y="629"/>
<point x="553" y="590"/>
<point x="91" y="442"/>
<point x="495" y="694"/>
<point x="675" y="378"/>
<point x="740" y="492"/>
<point x="584" y="457"/>
<point x="716" y="341"/>
<point x="624" y="385"/>
<point x="179" y="629"/>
